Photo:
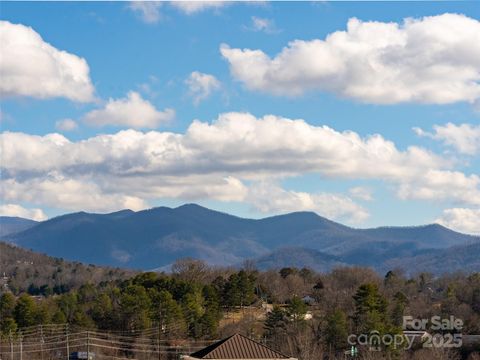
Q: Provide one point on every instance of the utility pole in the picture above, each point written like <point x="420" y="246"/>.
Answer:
<point x="88" y="345"/>
<point x="11" y="346"/>
<point x="42" y="340"/>
<point x="67" y="344"/>
<point x="159" y="356"/>
<point x="21" y="346"/>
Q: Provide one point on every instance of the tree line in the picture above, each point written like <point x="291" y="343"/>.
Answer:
<point x="303" y="313"/>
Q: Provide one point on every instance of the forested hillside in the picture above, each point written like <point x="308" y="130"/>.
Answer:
<point x="23" y="270"/>
<point x="197" y="302"/>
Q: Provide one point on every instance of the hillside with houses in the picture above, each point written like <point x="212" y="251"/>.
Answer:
<point x="294" y="311"/>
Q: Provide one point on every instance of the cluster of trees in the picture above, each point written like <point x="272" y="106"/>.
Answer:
<point x="193" y="300"/>
<point x="372" y="313"/>
<point x="359" y="301"/>
<point x="180" y="305"/>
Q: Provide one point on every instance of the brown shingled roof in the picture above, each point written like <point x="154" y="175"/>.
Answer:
<point x="238" y="347"/>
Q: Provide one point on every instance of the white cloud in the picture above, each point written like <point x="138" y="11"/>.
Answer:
<point x="464" y="138"/>
<point x="461" y="219"/>
<point x="442" y="185"/>
<point x="149" y="11"/>
<point x="31" y="67"/>
<point x="57" y="190"/>
<point x="429" y="60"/>
<point x="270" y="198"/>
<point x="222" y="160"/>
<point x="201" y="86"/>
<point x="105" y="193"/>
<point x="237" y="143"/>
<point x="187" y="187"/>
<point x="362" y="193"/>
<point x="19" y="211"/>
<point x="66" y="125"/>
<point x="193" y="7"/>
<point x="263" y="24"/>
<point x="132" y="111"/>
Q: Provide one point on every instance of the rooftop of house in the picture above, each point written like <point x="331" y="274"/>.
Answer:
<point x="237" y="347"/>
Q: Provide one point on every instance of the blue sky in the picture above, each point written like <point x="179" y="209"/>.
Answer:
<point x="152" y="50"/>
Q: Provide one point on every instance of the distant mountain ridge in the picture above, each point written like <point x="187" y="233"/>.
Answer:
<point x="156" y="237"/>
<point x="12" y="224"/>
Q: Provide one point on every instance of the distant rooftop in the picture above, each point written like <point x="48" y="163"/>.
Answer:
<point x="237" y="347"/>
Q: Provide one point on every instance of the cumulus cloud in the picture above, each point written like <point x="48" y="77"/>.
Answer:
<point x="442" y="185"/>
<point x="31" y="67"/>
<point x="58" y="190"/>
<point x="193" y="7"/>
<point x="187" y="187"/>
<point x="19" y="211"/>
<point x="237" y="143"/>
<point x="270" y="198"/>
<point x="132" y="111"/>
<point x="149" y="11"/>
<point x="66" y="125"/>
<point x="461" y="219"/>
<point x="362" y="193"/>
<point x="464" y="138"/>
<point x="201" y="86"/>
<point x="223" y="160"/>
<point x="429" y="60"/>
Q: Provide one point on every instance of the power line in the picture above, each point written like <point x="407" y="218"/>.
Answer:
<point x="49" y="340"/>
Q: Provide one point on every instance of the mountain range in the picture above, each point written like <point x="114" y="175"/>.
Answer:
<point x="155" y="238"/>
<point x="10" y="225"/>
